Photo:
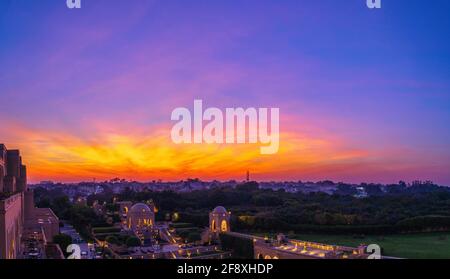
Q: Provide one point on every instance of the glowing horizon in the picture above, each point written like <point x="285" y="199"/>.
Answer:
<point x="88" y="93"/>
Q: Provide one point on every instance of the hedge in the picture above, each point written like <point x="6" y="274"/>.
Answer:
<point x="241" y="247"/>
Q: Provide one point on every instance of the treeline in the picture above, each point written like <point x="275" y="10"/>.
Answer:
<point x="373" y="189"/>
<point x="407" y="208"/>
<point x="411" y="225"/>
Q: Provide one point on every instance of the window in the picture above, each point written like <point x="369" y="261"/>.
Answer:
<point x="224" y="226"/>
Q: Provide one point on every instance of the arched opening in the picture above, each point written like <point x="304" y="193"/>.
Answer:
<point x="224" y="226"/>
<point x="275" y="258"/>
<point x="125" y="209"/>
<point x="260" y="257"/>
<point x="12" y="249"/>
<point x="213" y="225"/>
<point x="267" y="257"/>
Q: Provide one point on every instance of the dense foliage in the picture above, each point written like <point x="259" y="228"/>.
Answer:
<point x="64" y="241"/>
<point x="133" y="242"/>
<point x="398" y="208"/>
<point x="242" y="247"/>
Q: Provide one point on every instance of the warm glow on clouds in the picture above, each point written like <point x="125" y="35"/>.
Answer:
<point x="148" y="156"/>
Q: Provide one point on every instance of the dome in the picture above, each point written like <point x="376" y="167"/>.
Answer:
<point x="140" y="207"/>
<point x="220" y="210"/>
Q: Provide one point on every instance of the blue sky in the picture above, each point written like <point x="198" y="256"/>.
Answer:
<point x="371" y="82"/>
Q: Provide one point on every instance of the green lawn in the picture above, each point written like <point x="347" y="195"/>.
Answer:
<point x="412" y="246"/>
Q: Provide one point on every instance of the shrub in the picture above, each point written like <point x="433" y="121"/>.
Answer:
<point x="112" y="240"/>
<point x="105" y="230"/>
<point x="242" y="247"/>
<point x="63" y="240"/>
<point x="133" y="242"/>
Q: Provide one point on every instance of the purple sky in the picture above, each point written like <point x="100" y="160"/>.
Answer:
<point x="368" y="82"/>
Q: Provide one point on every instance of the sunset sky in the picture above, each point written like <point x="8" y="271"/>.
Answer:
<point x="364" y="95"/>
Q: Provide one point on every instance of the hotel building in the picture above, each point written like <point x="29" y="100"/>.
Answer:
<point x="18" y="216"/>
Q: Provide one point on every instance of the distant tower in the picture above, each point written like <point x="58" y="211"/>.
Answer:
<point x="248" y="176"/>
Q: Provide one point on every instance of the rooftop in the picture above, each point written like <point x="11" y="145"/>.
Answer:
<point x="45" y="215"/>
<point x="140" y="207"/>
<point x="220" y="210"/>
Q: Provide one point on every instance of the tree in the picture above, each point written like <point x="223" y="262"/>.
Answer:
<point x="112" y="240"/>
<point x="133" y="242"/>
<point x="241" y="247"/>
<point x="345" y="189"/>
<point x="267" y="199"/>
<point x="193" y="237"/>
<point x="250" y="186"/>
<point x="63" y="240"/>
<point x="60" y="206"/>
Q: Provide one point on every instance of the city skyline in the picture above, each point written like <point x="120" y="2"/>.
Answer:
<point x="364" y="95"/>
<point x="244" y="179"/>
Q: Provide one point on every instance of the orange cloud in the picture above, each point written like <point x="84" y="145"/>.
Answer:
<point x="151" y="155"/>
